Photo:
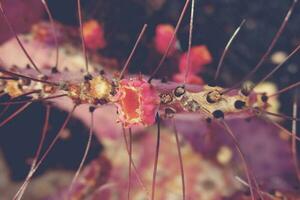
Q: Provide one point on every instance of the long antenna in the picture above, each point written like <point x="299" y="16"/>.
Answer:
<point x="27" y="77"/>
<point x="297" y="84"/>
<point x="170" y="42"/>
<point x="266" y="54"/>
<point x="187" y="70"/>
<point x="180" y="159"/>
<point x="53" y="30"/>
<point x="18" y="39"/>
<point x="227" y="48"/>
<point x="238" y="148"/>
<point x="8" y="119"/>
<point x="26" y="182"/>
<point x="156" y="157"/>
<point x="278" y="66"/>
<point x="294" y="131"/>
<point x="133" y="51"/>
<point x="22" y="189"/>
<point x="82" y="38"/>
<point x="87" y="148"/>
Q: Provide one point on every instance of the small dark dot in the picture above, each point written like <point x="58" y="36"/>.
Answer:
<point x="238" y="104"/>
<point x="218" y="114"/>
<point x="88" y="77"/>
<point x="179" y="91"/>
<point x="208" y="99"/>
<point x="208" y="120"/>
<point x="44" y="78"/>
<point x="245" y="92"/>
<point x="26" y="81"/>
<point x="101" y="101"/>
<point x="28" y="66"/>
<point x="92" y="109"/>
<point x="101" y="72"/>
<point x="264" y="98"/>
<point x="164" y="79"/>
<point x="54" y="70"/>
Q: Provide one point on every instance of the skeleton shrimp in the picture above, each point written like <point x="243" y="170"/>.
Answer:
<point x="143" y="101"/>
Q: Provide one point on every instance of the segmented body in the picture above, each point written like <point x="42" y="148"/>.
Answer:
<point x="138" y="101"/>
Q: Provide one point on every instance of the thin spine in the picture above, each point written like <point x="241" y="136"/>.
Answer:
<point x="278" y="66"/>
<point x="34" y="100"/>
<point x="53" y="31"/>
<point x="28" y="77"/>
<point x="134" y="166"/>
<point x="239" y="179"/>
<point x="87" y="148"/>
<point x="281" y="128"/>
<point x="279" y="115"/>
<point x="22" y="189"/>
<point x="12" y="99"/>
<point x="9" y="78"/>
<point x="82" y="38"/>
<point x="220" y="64"/>
<point x="49" y="148"/>
<point x="18" y="39"/>
<point x="12" y="116"/>
<point x="238" y="148"/>
<point x="285" y="89"/>
<point x="266" y="54"/>
<point x="130" y="164"/>
<point x="133" y="51"/>
<point x="187" y="71"/>
<point x="294" y="131"/>
<point x="156" y="157"/>
<point x="180" y="160"/>
<point x="170" y="42"/>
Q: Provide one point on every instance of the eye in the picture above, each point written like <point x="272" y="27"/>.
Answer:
<point x="238" y="104"/>
<point x="218" y="114"/>
<point x="179" y="91"/>
<point x="213" y="97"/>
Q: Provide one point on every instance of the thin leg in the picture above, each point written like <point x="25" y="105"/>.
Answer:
<point x="87" y="148"/>
<point x="238" y="148"/>
<point x="156" y="156"/>
<point x="46" y="152"/>
<point x="18" y="39"/>
<point x="170" y="42"/>
<point x="15" y="114"/>
<point x="22" y="189"/>
<point x="134" y="166"/>
<point x="180" y="160"/>
<point x="294" y="131"/>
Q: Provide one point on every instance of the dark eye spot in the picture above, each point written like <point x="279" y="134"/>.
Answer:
<point x="88" y="77"/>
<point x="92" y="109"/>
<point x="238" y="104"/>
<point x="264" y="98"/>
<point x="218" y="114"/>
<point x="54" y="70"/>
<point x="179" y="91"/>
<point x="209" y="99"/>
<point x="208" y="120"/>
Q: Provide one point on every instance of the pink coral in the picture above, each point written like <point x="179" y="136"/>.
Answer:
<point x="93" y="34"/>
<point x="199" y="56"/>
<point x="137" y="102"/>
<point x="163" y="35"/>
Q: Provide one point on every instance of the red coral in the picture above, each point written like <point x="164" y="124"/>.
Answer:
<point x="199" y="56"/>
<point x="137" y="102"/>
<point x="163" y="35"/>
<point x="93" y="34"/>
